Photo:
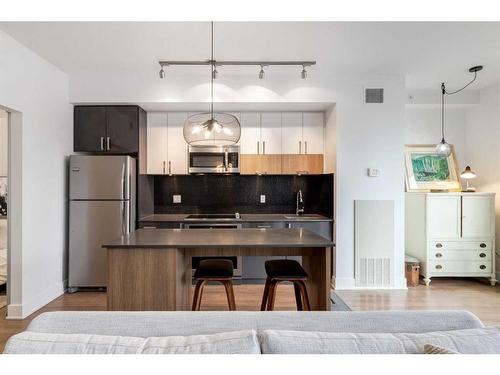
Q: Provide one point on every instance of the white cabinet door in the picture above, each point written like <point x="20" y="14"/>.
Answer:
<point x="271" y="133"/>
<point x="4" y="141"/>
<point x="157" y="142"/>
<point x="177" y="146"/>
<point x="250" y="142"/>
<point x="477" y="216"/>
<point x="292" y="133"/>
<point x="313" y="133"/>
<point x="443" y="214"/>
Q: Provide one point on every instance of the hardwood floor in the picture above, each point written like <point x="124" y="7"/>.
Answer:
<point x="468" y="294"/>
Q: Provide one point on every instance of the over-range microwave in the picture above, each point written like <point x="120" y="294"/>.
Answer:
<point x="214" y="159"/>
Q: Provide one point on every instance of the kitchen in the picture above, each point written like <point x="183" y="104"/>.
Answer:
<point x="272" y="179"/>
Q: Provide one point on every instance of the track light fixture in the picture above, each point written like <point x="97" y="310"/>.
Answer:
<point x="215" y="73"/>
<point x="262" y="73"/>
<point x="162" y="73"/>
<point x="303" y="74"/>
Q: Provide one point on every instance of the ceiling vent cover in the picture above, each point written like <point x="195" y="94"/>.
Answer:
<point x="374" y="96"/>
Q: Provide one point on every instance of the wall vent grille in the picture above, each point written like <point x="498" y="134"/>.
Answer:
<point x="374" y="272"/>
<point x="374" y="96"/>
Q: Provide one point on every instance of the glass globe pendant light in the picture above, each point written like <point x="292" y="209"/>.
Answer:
<point x="212" y="128"/>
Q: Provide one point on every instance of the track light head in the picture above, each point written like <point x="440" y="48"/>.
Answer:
<point x="162" y="73"/>
<point x="215" y="73"/>
<point x="262" y="74"/>
<point x="303" y="73"/>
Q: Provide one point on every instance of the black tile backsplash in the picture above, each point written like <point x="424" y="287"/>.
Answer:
<point x="241" y="193"/>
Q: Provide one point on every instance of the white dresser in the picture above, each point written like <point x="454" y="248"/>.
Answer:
<point x="452" y="234"/>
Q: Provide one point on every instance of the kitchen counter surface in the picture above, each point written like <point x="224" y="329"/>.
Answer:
<point x="244" y="218"/>
<point x="221" y="238"/>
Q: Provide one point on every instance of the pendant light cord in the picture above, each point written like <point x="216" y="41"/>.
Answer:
<point x="212" y="72"/>
<point x="463" y="88"/>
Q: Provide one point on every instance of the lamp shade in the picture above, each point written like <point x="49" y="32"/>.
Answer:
<point x="212" y="129"/>
<point x="468" y="173"/>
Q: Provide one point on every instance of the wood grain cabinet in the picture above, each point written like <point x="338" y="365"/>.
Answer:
<point x="260" y="164"/>
<point x="167" y="149"/>
<point x="107" y="129"/>
<point x="452" y="234"/>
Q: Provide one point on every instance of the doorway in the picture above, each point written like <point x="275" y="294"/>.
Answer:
<point x="4" y="141"/>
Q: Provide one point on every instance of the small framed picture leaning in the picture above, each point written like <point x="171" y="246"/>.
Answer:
<point x="426" y="170"/>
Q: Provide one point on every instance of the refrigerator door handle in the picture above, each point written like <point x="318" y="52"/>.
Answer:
<point x="125" y="216"/>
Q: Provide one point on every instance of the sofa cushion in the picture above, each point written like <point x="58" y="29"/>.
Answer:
<point x="184" y="323"/>
<point x="468" y="341"/>
<point x="239" y="342"/>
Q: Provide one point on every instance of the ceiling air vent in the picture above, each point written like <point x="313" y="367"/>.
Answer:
<point x="374" y="96"/>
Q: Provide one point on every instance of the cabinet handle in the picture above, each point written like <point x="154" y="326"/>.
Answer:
<point x="163" y="166"/>
<point x="108" y="143"/>
<point x="438" y="267"/>
<point x="258" y="147"/>
<point x="439" y="255"/>
<point x="288" y="225"/>
<point x="483" y="245"/>
<point x="438" y="245"/>
<point x="305" y="147"/>
<point x="300" y="147"/>
<point x="169" y="168"/>
<point x="482" y="266"/>
<point x="263" y="147"/>
<point x="102" y="143"/>
<point x="148" y="227"/>
<point x="482" y="255"/>
<point x="299" y="173"/>
<point x="263" y="226"/>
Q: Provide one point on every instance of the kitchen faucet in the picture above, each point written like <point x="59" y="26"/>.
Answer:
<point x="300" y="203"/>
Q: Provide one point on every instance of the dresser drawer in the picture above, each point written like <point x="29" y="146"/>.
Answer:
<point x="457" y="266"/>
<point x="461" y="245"/>
<point x="479" y="255"/>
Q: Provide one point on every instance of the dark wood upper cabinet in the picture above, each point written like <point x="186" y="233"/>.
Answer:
<point x="107" y="129"/>
<point x="89" y="129"/>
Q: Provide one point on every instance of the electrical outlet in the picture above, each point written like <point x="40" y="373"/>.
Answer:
<point x="262" y="198"/>
<point x="177" y="198"/>
<point x="373" y="172"/>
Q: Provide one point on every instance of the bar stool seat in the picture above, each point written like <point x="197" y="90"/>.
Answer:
<point x="220" y="270"/>
<point x="280" y="270"/>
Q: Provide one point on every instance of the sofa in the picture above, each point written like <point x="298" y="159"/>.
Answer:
<point x="382" y="332"/>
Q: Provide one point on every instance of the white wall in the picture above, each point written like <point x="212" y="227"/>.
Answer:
<point x="366" y="135"/>
<point x="41" y="137"/>
<point x="483" y="147"/>
<point x="423" y="126"/>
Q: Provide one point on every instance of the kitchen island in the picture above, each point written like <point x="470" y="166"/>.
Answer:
<point x="150" y="269"/>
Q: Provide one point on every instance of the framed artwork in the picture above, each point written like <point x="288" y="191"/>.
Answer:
<point x="426" y="170"/>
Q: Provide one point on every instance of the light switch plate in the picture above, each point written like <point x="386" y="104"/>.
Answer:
<point x="177" y="198"/>
<point x="373" y="172"/>
<point x="262" y="198"/>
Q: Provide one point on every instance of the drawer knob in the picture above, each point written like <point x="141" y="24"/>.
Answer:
<point x="483" y="245"/>
<point x="482" y="266"/>
<point x="438" y="267"/>
<point x="439" y="255"/>
<point x="482" y="255"/>
<point x="439" y="245"/>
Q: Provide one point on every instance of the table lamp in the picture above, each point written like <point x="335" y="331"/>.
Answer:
<point x="468" y="174"/>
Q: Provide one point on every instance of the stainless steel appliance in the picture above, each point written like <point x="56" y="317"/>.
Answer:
<point x="214" y="159"/>
<point x="102" y="198"/>
<point x="216" y="221"/>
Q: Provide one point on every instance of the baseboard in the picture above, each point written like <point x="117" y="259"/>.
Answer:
<point x="349" y="283"/>
<point x="21" y="311"/>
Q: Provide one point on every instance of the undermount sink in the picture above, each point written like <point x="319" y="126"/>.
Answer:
<point x="301" y="217"/>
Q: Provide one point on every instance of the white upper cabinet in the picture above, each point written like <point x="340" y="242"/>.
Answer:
<point x="270" y="133"/>
<point x="177" y="146"/>
<point x="167" y="149"/>
<point x="292" y="133"/>
<point x="250" y="133"/>
<point x="313" y="131"/>
<point x="444" y="216"/>
<point x="157" y="142"/>
<point x="4" y="141"/>
<point x="477" y="216"/>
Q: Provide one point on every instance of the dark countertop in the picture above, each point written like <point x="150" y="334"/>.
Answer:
<point x="244" y="218"/>
<point x="209" y="238"/>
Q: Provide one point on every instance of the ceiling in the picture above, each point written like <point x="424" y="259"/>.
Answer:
<point x="425" y="53"/>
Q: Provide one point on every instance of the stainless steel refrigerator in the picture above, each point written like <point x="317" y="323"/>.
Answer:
<point x="102" y="196"/>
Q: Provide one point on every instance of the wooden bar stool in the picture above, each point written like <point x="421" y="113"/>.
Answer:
<point x="220" y="270"/>
<point x="280" y="270"/>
